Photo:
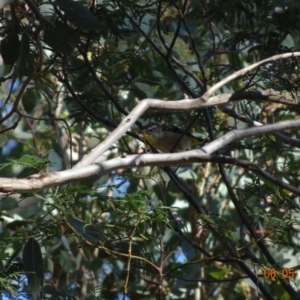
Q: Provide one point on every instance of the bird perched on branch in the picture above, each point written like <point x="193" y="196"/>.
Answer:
<point x="164" y="137"/>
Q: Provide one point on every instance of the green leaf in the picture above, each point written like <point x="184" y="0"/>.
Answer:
<point x="218" y="273"/>
<point x="24" y="53"/>
<point x="55" y="40"/>
<point x="4" y="256"/>
<point x="65" y="261"/>
<point x="67" y="33"/>
<point x="33" y="265"/>
<point x="8" y="203"/>
<point x="188" y="251"/>
<point x="16" y="225"/>
<point x="87" y="232"/>
<point x="10" y="49"/>
<point x="30" y="98"/>
<point x="79" y="15"/>
<point x="287" y="117"/>
<point x="31" y="162"/>
<point x="186" y="174"/>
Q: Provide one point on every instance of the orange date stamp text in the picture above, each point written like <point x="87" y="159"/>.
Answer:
<point x="273" y="273"/>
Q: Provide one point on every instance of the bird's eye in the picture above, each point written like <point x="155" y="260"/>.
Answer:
<point x="151" y="129"/>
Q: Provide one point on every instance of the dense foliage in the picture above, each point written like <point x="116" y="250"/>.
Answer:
<point x="226" y="227"/>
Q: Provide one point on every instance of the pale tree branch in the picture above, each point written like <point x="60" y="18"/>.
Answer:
<point x="180" y="105"/>
<point x="282" y="137"/>
<point x="78" y="172"/>
<point x="184" y="105"/>
<point x="238" y="134"/>
<point x="246" y="70"/>
<point x="41" y="181"/>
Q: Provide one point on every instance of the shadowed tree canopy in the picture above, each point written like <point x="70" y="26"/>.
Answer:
<point x="89" y="210"/>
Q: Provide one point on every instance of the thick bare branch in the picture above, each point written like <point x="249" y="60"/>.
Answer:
<point x="246" y="70"/>
<point x="161" y="105"/>
<point x="41" y="181"/>
<point x="282" y="137"/>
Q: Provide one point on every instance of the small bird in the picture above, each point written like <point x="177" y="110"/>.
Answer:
<point x="163" y="137"/>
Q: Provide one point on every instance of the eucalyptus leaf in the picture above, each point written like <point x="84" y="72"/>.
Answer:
<point x="56" y="40"/>
<point x="24" y="53"/>
<point x="10" y="49"/>
<point x="66" y="32"/>
<point x="79" y="15"/>
<point x="33" y="265"/>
